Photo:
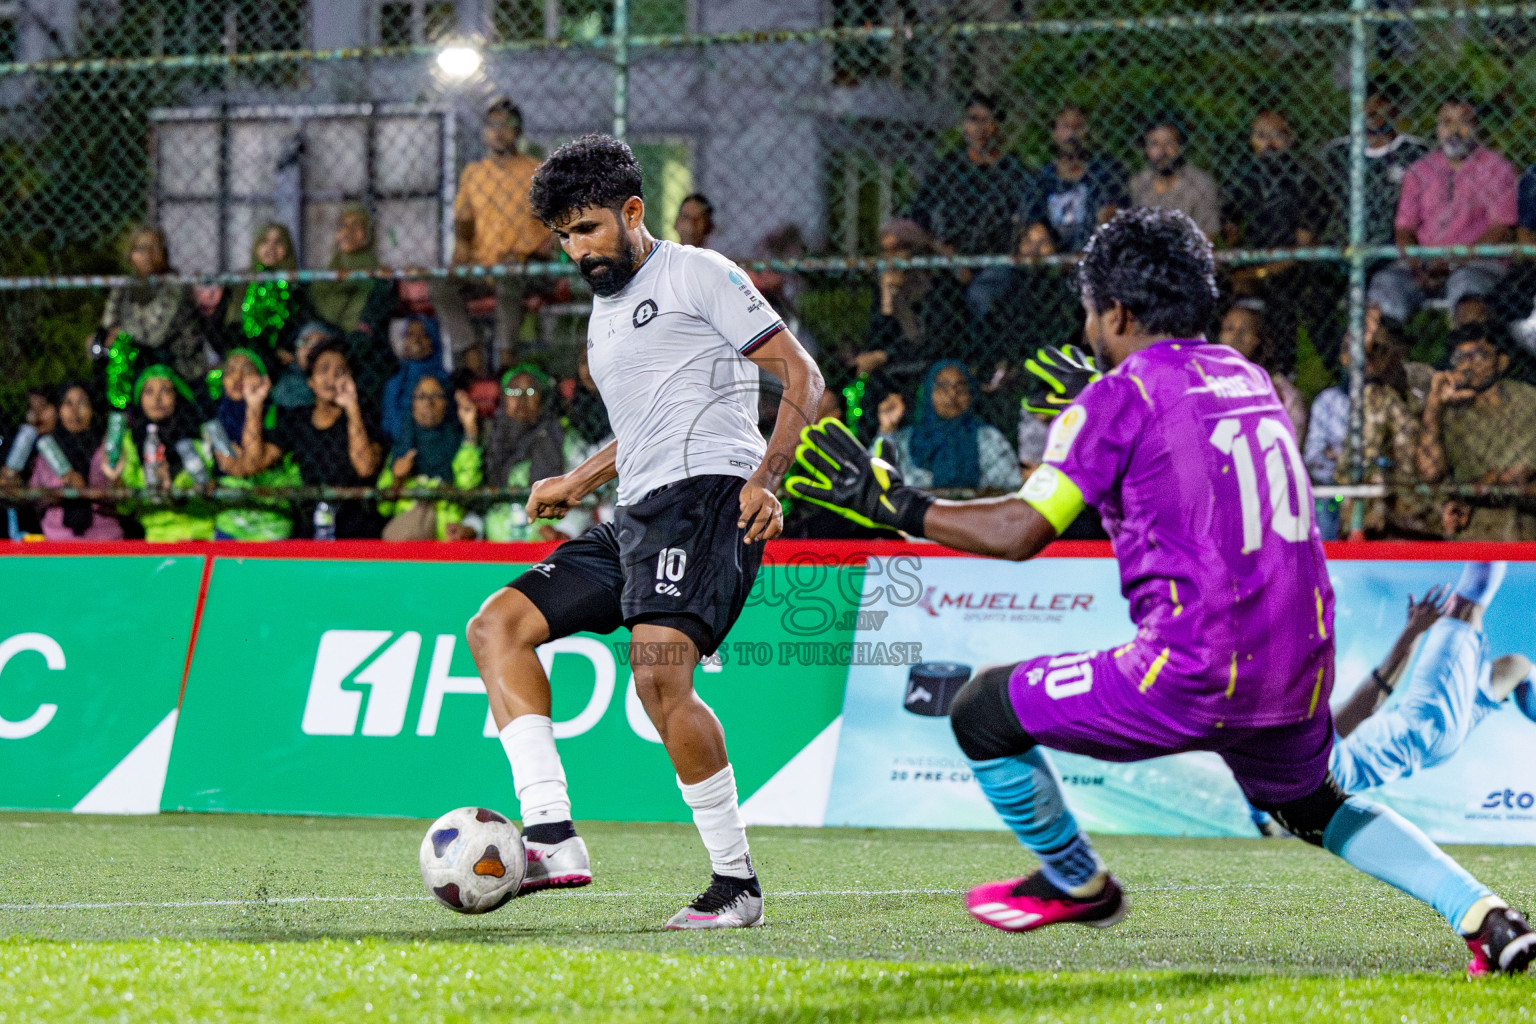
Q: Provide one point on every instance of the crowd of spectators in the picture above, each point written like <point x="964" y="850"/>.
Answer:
<point x="377" y="383"/>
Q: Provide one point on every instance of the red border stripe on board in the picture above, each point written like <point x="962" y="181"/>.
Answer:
<point x="779" y="551"/>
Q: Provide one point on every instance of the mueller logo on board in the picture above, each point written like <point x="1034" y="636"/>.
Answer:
<point x="1002" y="604"/>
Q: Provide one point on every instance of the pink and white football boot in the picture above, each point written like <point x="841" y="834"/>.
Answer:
<point x="562" y="865"/>
<point x="1024" y="904"/>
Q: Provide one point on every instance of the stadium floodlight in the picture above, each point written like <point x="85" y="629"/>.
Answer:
<point x="458" y="62"/>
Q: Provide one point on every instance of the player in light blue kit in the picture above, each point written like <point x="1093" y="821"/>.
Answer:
<point x="1186" y="453"/>
<point x="1452" y="686"/>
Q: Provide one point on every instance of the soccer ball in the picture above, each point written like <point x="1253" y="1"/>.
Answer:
<point x="472" y="860"/>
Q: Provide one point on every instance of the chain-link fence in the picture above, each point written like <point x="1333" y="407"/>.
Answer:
<point x="193" y="185"/>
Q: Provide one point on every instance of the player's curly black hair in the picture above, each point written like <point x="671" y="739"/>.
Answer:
<point x="1156" y="263"/>
<point x="592" y="171"/>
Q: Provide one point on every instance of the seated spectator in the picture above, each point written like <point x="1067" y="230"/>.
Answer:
<point x="246" y="419"/>
<point x="1244" y="328"/>
<point x="947" y="445"/>
<point x="269" y="313"/>
<point x="1461" y="194"/>
<point x="431" y="450"/>
<point x="1479" y="428"/>
<point x="359" y="310"/>
<point x="210" y="316"/>
<point x="152" y="458"/>
<point x="584" y="417"/>
<point x="421" y="355"/>
<point x="157" y="316"/>
<point x="525" y="445"/>
<point x="695" y="221"/>
<point x="43" y="417"/>
<point x="292" y="388"/>
<point x="493" y="223"/>
<point x="1045" y="309"/>
<point x="1393" y="406"/>
<point x="917" y="319"/>
<point x="1077" y="191"/>
<point x="1168" y="180"/>
<point x="968" y="203"/>
<point x="782" y="289"/>
<point x="79" y="438"/>
<point x="332" y="444"/>
<point x="1388" y="155"/>
<point x="1276" y="201"/>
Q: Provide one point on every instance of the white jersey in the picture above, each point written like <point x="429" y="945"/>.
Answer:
<point x="668" y="354"/>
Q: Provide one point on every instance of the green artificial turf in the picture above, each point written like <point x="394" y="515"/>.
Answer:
<point x="183" y="918"/>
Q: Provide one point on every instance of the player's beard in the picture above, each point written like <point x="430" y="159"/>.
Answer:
<point x="618" y="269"/>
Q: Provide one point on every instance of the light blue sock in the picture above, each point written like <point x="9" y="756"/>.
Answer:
<point x="1024" y="792"/>
<point x="1385" y="845"/>
<point x="1480" y="581"/>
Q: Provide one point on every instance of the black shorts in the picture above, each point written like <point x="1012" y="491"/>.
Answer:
<point x="674" y="558"/>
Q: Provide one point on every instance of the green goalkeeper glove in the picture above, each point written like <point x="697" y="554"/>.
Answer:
<point x="1056" y="377"/>
<point x="838" y="474"/>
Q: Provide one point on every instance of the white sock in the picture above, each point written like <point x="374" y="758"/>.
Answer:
<point x="537" y="774"/>
<point x="719" y="822"/>
<point x="1480" y="581"/>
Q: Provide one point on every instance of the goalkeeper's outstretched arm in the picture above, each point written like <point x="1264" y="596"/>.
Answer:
<point x="835" y="472"/>
<point x="1008" y="527"/>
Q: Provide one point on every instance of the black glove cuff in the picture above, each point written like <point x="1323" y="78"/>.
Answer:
<point x="914" y="506"/>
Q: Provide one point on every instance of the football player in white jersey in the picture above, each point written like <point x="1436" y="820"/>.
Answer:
<point x="675" y="342"/>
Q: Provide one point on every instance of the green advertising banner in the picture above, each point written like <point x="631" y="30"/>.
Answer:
<point x="335" y="687"/>
<point x="91" y="657"/>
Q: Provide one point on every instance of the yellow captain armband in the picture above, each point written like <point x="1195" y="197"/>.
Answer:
<point x="1053" y="495"/>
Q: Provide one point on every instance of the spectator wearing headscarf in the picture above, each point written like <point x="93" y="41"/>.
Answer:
<point x="524" y="445"/>
<point x="79" y="437"/>
<point x="269" y="313"/>
<point x="434" y="448"/>
<point x="157" y="316"/>
<point x="421" y="355"/>
<point x="164" y="404"/>
<point x="247" y="421"/>
<point x="359" y="310"/>
<point x="947" y="446"/>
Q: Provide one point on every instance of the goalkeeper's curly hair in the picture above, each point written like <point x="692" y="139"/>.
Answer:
<point x="1156" y="263"/>
<point x="592" y="171"/>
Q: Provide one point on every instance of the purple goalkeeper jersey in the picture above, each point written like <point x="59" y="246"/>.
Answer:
<point x="1188" y="455"/>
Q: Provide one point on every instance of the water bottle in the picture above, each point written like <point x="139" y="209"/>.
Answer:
<point x="192" y="461"/>
<point x="114" y="442"/>
<point x="21" y="448"/>
<point x="52" y="454"/>
<point x="217" y="439"/>
<point x="325" y="521"/>
<point x="154" y="456"/>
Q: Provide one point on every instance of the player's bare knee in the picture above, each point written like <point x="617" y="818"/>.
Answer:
<point x="506" y="618"/>
<point x="1508" y="672"/>
<point x="660" y="686"/>
<point x="982" y="717"/>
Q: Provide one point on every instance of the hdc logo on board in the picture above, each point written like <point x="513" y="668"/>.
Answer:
<point x="386" y="664"/>
<point x="53" y="657"/>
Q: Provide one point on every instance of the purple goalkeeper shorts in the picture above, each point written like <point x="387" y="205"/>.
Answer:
<point x="1083" y="704"/>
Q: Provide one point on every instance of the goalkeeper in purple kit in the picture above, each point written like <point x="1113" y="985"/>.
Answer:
<point x="1187" y="454"/>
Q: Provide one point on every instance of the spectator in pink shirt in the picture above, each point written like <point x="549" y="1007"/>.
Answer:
<point x="1461" y="194"/>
